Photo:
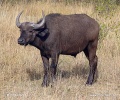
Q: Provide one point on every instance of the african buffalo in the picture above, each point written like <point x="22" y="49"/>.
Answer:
<point x="57" y="34"/>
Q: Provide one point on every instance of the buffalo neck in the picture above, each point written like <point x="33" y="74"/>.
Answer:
<point x="37" y="42"/>
<point x="40" y="38"/>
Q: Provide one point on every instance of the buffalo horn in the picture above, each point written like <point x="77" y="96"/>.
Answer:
<point x="36" y="26"/>
<point x="17" y="19"/>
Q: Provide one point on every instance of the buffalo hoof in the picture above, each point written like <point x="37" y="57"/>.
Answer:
<point x="45" y="84"/>
<point x="89" y="82"/>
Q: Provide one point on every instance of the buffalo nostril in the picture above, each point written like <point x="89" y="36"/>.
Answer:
<point x="20" y="40"/>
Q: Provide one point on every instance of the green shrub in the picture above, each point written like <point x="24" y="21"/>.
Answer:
<point x="105" y="6"/>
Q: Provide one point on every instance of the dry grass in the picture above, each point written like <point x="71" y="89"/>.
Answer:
<point x="21" y="68"/>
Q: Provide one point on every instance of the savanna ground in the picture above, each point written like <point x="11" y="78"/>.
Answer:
<point x="21" y="68"/>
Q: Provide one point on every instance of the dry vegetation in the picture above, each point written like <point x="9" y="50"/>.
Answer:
<point x="21" y="68"/>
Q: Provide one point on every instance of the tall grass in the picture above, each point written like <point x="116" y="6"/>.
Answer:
<point x="21" y="69"/>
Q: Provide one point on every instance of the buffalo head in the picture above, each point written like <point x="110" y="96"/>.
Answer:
<point x="28" y="30"/>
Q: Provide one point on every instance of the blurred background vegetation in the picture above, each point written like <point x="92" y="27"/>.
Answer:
<point x="100" y="5"/>
<point x="68" y="1"/>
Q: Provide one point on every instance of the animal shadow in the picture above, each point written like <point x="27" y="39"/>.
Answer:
<point x="33" y="75"/>
<point x="81" y="71"/>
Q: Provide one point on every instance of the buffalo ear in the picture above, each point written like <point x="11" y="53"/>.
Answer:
<point x="43" y="33"/>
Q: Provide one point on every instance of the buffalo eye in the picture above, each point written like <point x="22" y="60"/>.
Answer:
<point x="31" y="31"/>
<point x="20" y="30"/>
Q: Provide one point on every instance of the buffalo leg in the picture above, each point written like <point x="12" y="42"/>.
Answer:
<point x="90" y="52"/>
<point x="53" y="67"/>
<point x="46" y="71"/>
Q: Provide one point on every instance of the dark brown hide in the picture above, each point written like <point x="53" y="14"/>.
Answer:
<point x="62" y="34"/>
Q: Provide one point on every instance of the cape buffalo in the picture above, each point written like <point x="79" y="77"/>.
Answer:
<point x="57" y="34"/>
